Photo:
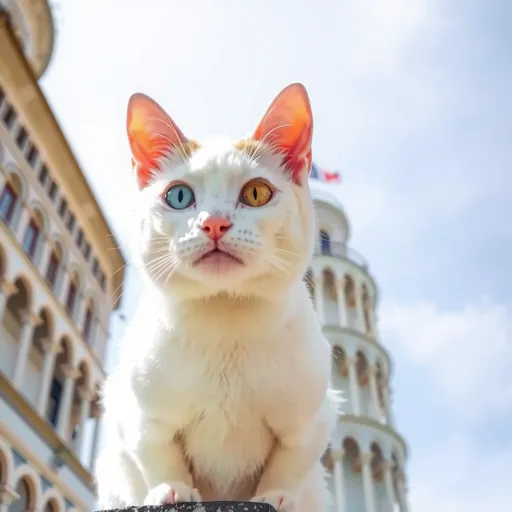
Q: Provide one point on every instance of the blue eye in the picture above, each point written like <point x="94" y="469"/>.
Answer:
<point x="179" y="197"/>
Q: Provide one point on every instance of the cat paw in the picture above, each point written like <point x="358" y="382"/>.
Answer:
<point x="282" y="501"/>
<point x="171" y="494"/>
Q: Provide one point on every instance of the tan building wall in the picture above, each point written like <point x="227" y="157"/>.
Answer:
<point x="61" y="276"/>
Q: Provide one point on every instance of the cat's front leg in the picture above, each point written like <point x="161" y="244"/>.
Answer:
<point x="299" y="448"/>
<point x="162" y="459"/>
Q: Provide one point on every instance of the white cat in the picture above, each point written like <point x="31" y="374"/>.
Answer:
<point x="222" y="387"/>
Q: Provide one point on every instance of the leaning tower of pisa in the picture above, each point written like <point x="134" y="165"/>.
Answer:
<point x="366" y="458"/>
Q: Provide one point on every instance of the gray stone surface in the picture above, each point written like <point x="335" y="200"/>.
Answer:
<point x="212" y="506"/>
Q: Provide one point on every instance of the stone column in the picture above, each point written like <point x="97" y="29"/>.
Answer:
<point x="81" y="308"/>
<point x="23" y="223"/>
<point x="64" y="286"/>
<point x="319" y="297"/>
<point x="95" y="441"/>
<point x="70" y="374"/>
<point x="369" y="495"/>
<point x="339" y="480"/>
<point x="46" y="254"/>
<point x="85" y="409"/>
<point x="359" y="308"/>
<point x="3" y="179"/>
<point x="29" y="322"/>
<point x="51" y="350"/>
<point x="354" y="385"/>
<point x="388" y="483"/>
<point x="342" y="306"/>
<point x="374" y="391"/>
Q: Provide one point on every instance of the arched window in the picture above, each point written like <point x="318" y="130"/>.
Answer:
<point x="52" y="270"/>
<point x="87" y="329"/>
<point x="24" y="502"/>
<point x="31" y="238"/>
<point x="325" y="242"/>
<point x="8" y="202"/>
<point x="71" y="297"/>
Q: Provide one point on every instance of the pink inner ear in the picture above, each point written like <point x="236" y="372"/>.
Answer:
<point x="287" y="127"/>
<point x="151" y="134"/>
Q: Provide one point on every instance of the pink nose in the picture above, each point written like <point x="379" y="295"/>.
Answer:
<point x="215" y="227"/>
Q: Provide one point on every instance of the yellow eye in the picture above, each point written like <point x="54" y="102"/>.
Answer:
<point x="256" y="193"/>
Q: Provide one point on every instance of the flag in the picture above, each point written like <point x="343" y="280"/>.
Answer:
<point x="317" y="173"/>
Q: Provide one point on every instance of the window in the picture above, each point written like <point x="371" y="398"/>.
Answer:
<point x="43" y="175"/>
<point x="53" y="269"/>
<point x="54" y="403"/>
<point x="63" y="208"/>
<point x="32" y="155"/>
<point x="71" y="298"/>
<point x="2" y="96"/>
<point x="21" y="138"/>
<point x="70" y="222"/>
<point x="24" y="502"/>
<point x="87" y="251"/>
<point x="79" y="238"/>
<point x="9" y="117"/>
<point x="103" y="280"/>
<point x="325" y="242"/>
<point x="87" y="324"/>
<point x="30" y="238"/>
<point x="7" y="202"/>
<point x="52" y="191"/>
<point x="95" y="267"/>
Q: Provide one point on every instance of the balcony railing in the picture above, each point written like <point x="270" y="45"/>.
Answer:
<point x="341" y="250"/>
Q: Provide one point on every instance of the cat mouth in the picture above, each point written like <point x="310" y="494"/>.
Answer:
<point x="218" y="256"/>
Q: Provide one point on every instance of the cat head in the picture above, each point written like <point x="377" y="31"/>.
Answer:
<point x="222" y="216"/>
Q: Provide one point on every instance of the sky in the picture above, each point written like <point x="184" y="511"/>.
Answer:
<point x="412" y="105"/>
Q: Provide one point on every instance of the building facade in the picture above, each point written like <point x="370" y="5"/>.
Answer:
<point x="366" y="459"/>
<point x="56" y="251"/>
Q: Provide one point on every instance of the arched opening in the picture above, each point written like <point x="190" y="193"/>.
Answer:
<point x="17" y="304"/>
<point x="3" y="264"/>
<point x="352" y="472"/>
<point x="64" y="359"/>
<point x="325" y="242"/>
<point x="377" y="469"/>
<point x="51" y="506"/>
<point x="330" y="296"/>
<point x="3" y="469"/>
<point x="380" y="379"/>
<point x="54" y="265"/>
<point x="33" y="237"/>
<point x="88" y="322"/>
<point x="349" y="290"/>
<point x="367" y="306"/>
<point x="72" y="295"/>
<point x="34" y="371"/>
<point x="26" y="500"/>
<point x="362" y="372"/>
<point x="9" y="199"/>
<point x="82" y="385"/>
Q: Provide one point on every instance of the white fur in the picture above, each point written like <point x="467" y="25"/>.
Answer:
<point x="223" y="376"/>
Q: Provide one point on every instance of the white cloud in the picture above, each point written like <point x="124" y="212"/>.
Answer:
<point x="467" y="352"/>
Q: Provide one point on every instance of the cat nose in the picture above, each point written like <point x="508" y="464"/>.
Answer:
<point x="215" y="227"/>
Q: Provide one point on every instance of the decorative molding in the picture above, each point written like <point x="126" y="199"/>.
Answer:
<point x="30" y="317"/>
<point x="7" y="287"/>
<point x="8" y="494"/>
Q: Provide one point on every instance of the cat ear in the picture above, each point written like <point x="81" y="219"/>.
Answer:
<point x="151" y="134"/>
<point x="287" y="128"/>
